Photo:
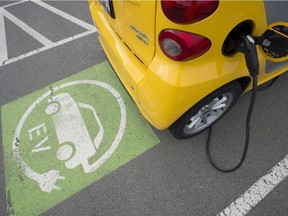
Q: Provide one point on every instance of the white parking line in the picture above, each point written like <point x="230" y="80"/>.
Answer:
<point x="14" y="3"/>
<point x="45" y="41"/>
<point x="64" y="15"/>
<point x="258" y="191"/>
<point x="3" y="43"/>
<point x="34" y="52"/>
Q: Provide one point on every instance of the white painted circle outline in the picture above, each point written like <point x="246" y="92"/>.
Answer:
<point x="15" y="145"/>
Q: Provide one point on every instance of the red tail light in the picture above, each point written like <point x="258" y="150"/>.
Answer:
<point x="181" y="11"/>
<point x="183" y="46"/>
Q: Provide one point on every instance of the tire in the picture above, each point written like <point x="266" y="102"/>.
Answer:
<point x="206" y="112"/>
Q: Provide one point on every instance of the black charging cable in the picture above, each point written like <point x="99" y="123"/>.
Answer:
<point x="246" y="45"/>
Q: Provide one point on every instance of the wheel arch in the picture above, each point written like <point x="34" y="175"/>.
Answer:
<point x="237" y="86"/>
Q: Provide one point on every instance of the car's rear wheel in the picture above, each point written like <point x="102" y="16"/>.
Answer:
<point x="206" y="112"/>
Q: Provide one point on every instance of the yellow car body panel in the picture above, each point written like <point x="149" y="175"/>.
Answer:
<point x="164" y="89"/>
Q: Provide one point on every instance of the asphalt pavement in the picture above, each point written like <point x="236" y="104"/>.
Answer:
<point x="172" y="178"/>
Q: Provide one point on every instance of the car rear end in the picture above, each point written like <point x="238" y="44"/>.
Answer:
<point x="169" y="55"/>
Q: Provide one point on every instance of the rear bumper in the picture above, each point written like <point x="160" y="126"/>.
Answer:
<point x="127" y="66"/>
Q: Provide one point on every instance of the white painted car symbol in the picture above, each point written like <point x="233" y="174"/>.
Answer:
<point x="72" y="132"/>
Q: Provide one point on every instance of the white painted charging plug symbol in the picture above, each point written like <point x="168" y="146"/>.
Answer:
<point x="72" y="132"/>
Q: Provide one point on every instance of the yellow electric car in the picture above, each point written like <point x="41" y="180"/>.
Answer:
<point x="177" y="60"/>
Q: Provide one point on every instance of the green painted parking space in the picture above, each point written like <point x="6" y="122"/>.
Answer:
<point x="66" y="136"/>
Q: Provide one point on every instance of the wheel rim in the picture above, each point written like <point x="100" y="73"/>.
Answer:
<point x="209" y="114"/>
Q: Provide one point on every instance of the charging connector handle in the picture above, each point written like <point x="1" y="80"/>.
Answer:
<point x="246" y="45"/>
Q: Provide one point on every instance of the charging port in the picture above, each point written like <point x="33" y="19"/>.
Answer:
<point x="245" y="27"/>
